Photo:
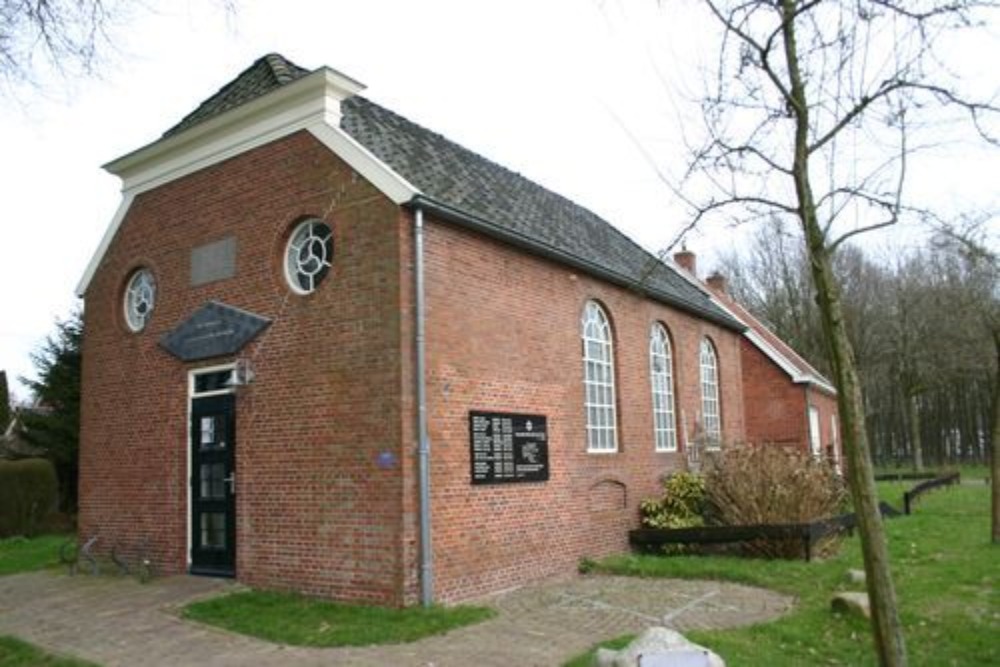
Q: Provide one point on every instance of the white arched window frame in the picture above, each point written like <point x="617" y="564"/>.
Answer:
<point x="711" y="420"/>
<point x="598" y="380"/>
<point x="309" y="255"/>
<point x="140" y="299"/>
<point x="661" y="373"/>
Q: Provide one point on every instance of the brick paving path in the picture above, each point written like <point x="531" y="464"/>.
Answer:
<point x="117" y="621"/>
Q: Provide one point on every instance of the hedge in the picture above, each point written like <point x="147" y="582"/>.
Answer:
<point x="29" y="492"/>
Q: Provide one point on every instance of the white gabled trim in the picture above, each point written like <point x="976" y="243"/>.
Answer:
<point x="109" y="234"/>
<point x="363" y="161"/>
<point x="772" y="353"/>
<point x="785" y="364"/>
<point x="312" y="103"/>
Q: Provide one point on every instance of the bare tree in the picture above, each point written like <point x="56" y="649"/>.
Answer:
<point x="995" y="451"/>
<point x="918" y="320"/>
<point x="69" y="36"/>
<point x="815" y="112"/>
<point x="66" y="34"/>
<point x="967" y="240"/>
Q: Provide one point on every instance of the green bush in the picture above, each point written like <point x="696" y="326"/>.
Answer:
<point x="29" y="491"/>
<point x="681" y="505"/>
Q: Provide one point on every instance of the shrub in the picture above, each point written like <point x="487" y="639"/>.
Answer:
<point x="29" y="491"/>
<point x="768" y="484"/>
<point x="680" y="506"/>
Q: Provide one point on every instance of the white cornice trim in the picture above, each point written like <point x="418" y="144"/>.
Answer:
<point x="102" y="248"/>
<point x="311" y="103"/>
<point x="281" y="112"/>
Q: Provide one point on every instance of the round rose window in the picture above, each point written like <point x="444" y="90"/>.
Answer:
<point x="309" y="256"/>
<point x="140" y="299"/>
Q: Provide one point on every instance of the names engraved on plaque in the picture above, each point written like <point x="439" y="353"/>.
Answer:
<point x="507" y="448"/>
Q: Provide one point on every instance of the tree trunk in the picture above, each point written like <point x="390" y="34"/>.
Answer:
<point x="888" y="632"/>
<point x="913" y="421"/>
<point x="886" y="626"/>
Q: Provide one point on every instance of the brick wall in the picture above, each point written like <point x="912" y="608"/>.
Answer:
<point x="314" y="511"/>
<point x="777" y="408"/>
<point x="503" y="334"/>
<point x="334" y="389"/>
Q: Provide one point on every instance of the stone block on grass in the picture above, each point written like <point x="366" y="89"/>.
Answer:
<point x="657" y="647"/>
<point x="851" y="602"/>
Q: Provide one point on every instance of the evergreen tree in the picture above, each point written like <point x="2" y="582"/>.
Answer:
<point x="53" y="423"/>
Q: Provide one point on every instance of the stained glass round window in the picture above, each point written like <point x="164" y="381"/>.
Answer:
<point x="309" y="255"/>
<point x="140" y="299"/>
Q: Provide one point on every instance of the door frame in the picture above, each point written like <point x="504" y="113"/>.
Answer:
<point x="815" y="426"/>
<point x="191" y="396"/>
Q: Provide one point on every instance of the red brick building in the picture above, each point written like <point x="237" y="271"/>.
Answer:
<point x="329" y="350"/>
<point x="787" y="401"/>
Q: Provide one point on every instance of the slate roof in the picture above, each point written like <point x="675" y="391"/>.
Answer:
<point x="472" y="187"/>
<point x="266" y="74"/>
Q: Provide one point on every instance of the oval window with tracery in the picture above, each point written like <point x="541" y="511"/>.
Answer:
<point x="309" y="255"/>
<point x="140" y="299"/>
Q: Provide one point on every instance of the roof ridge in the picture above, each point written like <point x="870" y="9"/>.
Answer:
<point x="268" y="72"/>
<point x="283" y="69"/>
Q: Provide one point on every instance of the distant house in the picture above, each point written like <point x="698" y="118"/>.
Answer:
<point x="329" y="350"/>
<point x="13" y="446"/>
<point x="787" y="401"/>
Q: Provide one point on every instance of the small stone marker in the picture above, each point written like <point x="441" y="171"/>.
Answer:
<point x="856" y="576"/>
<point x="659" y="647"/>
<point x="851" y="602"/>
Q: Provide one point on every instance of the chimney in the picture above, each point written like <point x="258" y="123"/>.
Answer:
<point x="687" y="260"/>
<point x="717" y="283"/>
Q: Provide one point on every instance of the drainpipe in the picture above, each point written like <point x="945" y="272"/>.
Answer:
<point x="424" y="444"/>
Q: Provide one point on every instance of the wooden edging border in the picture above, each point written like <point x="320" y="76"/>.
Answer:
<point x="931" y="484"/>
<point x="808" y="533"/>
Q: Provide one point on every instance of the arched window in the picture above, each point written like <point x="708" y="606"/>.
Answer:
<point x="710" y="421"/>
<point x="598" y="379"/>
<point x="661" y="373"/>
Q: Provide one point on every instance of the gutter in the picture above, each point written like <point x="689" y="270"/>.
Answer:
<point x="446" y="212"/>
<point x="423" y="440"/>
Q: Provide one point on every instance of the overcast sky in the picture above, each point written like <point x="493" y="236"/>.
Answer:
<point x="543" y="87"/>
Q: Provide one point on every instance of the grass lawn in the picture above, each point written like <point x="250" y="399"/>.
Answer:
<point x="16" y="653"/>
<point x="20" y="554"/>
<point x="946" y="577"/>
<point x="293" y="619"/>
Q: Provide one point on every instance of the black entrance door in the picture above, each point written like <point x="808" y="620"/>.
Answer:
<point x="213" y="485"/>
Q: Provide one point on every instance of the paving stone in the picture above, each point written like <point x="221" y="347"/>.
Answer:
<point x="118" y="621"/>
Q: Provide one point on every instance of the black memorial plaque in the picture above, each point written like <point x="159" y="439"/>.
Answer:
<point x="214" y="330"/>
<point x="507" y="448"/>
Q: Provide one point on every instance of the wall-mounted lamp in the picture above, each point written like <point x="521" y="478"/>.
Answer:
<point x="241" y="374"/>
